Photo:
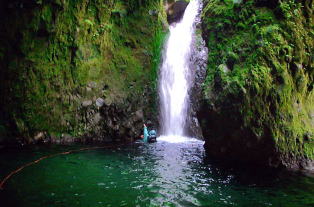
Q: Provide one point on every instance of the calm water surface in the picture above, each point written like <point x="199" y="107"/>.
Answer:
<point x="158" y="174"/>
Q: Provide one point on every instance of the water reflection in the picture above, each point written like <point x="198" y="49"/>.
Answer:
<point x="174" y="174"/>
<point x="166" y="173"/>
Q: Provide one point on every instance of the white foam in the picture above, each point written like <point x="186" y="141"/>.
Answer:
<point x="178" y="139"/>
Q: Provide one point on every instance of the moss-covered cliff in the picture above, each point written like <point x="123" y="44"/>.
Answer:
<point x="67" y="66"/>
<point x="258" y="94"/>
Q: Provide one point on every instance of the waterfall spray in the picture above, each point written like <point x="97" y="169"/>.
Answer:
<point x="175" y="80"/>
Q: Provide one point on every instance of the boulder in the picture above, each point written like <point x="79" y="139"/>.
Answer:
<point x="100" y="102"/>
<point x="139" y="115"/>
<point x="39" y="136"/>
<point x="92" y="84"/>
<point x="87" y="103"/>
<point x="66" y="138"/>
<point x="108" y="101"/>
<point x="97" y="118"/>
<point x="175" y="11"/>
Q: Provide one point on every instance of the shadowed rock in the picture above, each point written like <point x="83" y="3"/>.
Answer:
<point x="175" y="11"/>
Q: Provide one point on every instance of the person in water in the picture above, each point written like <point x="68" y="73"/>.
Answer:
<point x="149" y="135"/>
<point x="145" y="139"/>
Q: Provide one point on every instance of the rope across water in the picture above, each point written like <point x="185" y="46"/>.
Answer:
<point x="49" y="156"/>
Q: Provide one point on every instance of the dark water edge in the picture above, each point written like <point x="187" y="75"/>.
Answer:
<point x="159" y="174"/>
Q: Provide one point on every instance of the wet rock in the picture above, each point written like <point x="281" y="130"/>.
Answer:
<point x="261" y="129"/>
<point x="308" y="165"/>
<point x="39" y="136"/>
<point x="88" y="89"/>
<point x="100" y="102"/>
<point x="97" y="118"/>
<point x="139" y="115"/>
<point x="153" y="12"/>
<point x="92" y="84"/>
<point x="87" y="103"/>
<point x="66" y="138"/>
<point x="224" y="68"/>
<point x="108" y="101"/>
<point x="108" y="139"/>
<point x="198" y="65"/>
<point x="308" y="136"/>
<point x="175" y="11"/>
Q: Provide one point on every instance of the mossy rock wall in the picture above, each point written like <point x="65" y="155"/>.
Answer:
<point x="258" y="94"/>
<point x="57" y="57"/>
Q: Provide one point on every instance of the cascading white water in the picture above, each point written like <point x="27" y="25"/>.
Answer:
<point x="174" y="81"/>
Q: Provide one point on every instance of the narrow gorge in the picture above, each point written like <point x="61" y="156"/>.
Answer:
<point x="227" y="85"/>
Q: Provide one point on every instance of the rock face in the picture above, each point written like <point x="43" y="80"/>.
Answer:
<point x="198" y="68"/>
<point x="77" y="68"/>
<point x="175" y="11"/>
<point x="258" y="96"/>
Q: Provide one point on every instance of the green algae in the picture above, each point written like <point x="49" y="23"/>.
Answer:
<point x="53" y="51"/>
<point x="260" y="54"/>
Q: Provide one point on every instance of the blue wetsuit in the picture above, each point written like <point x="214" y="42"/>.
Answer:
<point x="152" y="133"/>
<point x="145" y="134"/>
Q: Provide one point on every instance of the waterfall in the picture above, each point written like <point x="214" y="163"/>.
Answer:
<point x="175" y="75"/>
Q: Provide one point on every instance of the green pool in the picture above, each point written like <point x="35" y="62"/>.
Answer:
<point x="158" y="174"/>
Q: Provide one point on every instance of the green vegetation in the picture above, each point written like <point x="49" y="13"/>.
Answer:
<point x="54" y="55"/>
<point x="261" y="68"/>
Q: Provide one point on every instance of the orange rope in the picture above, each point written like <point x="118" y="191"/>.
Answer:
<point x="45" y="157"/>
